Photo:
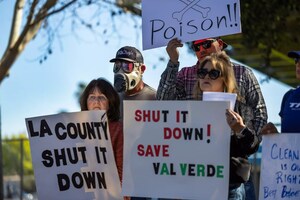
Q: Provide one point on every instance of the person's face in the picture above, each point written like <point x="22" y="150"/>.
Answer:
<point x="297" y="62"/>
<point x="128" y="75"/>
<point x="97" y="101"/>
<point x="206" y="47"/>
<point x="210" y="79"/>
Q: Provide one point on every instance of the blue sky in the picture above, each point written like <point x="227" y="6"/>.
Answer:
<point x="35" y="89"/>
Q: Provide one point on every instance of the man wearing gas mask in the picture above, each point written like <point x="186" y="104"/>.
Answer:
<point x="128" y="72"/>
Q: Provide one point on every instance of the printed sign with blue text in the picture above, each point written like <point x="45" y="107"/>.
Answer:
<point x="176" y="149"/>
<point x="280" y="168"/>
<point x="72" y="157"/>
<point x="188" y="20"/>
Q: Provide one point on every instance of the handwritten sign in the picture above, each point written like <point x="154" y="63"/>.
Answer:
<point x="188" y="20"/>
<point x="72" y="157"/>
<point x="280" y="169"/>
<point x="176" y="149"/>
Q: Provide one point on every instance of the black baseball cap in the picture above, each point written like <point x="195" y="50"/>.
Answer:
<point x="294" y="54"/>
<point x="130" y="54"/>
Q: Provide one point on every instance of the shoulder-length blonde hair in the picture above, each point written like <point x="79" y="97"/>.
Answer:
<point x="221" y="62"/>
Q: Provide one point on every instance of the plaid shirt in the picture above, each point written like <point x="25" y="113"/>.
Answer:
<point x="179" y="85"/>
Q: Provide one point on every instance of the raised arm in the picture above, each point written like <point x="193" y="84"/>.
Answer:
<point x="167" y="84"/>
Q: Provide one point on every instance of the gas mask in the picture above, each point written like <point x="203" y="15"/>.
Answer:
<point x="127" y="81"/>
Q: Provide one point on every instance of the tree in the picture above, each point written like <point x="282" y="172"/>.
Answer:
<point x="12" y="155"/>
<point x="267" y="23"/>
<point x="36" y="15"/>
<point x="80" y="89"/>
<point x="270" y="24"/>
<point x="18" y="162"/>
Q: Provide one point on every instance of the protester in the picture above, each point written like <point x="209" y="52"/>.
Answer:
<point x="215" y="74"/>
<point x="99" y="94"/>
<point x="290" y="106"/>
<point x="128" y="70"/>
<point x="178" y="84"/>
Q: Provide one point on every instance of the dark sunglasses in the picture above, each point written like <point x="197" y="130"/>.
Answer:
<point x="127" y="67"/>
<point x="206" y="45"/>
<point x="297" y="60"/>
<point x="213" y="74"/>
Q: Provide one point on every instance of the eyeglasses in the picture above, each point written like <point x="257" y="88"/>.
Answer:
<point x="127" y="67"/>
<point x="206" y="45"/>
<point x="213" y="74"/>
<point x="297" y="60"/>
<point x="93" y="98"/>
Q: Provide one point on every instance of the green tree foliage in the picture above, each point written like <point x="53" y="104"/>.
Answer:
<point x="12" y="155"/>
<point x="267" y="24"/>
<point x="80" y="89"/>
<point x="272" y="24"/>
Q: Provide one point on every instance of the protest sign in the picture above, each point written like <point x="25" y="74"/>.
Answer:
<point x="188" y="20"/>
<point x="72" y="156"/>
<point x="280" y="168"/>
<point x="176" y="149"/>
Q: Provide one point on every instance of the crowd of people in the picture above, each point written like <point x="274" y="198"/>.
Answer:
<point x="213" y="71"/>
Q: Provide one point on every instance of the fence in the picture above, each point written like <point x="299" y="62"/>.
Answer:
<point x="18" y="179"/>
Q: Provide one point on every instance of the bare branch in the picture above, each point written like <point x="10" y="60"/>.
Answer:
<point x="16" y="22"/>
<point x="130" y="6"/>
<point x="37" y="15"/>
<point x="61" y="8"/>
<point x="31" y="13"/>
<point x="30" y="30"/>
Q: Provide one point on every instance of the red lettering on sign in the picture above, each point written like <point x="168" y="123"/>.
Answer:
<point x="153" y="150"/>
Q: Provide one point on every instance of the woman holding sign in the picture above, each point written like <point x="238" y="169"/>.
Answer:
<point x="215" y="74"/>
<point x="99" y="94"/>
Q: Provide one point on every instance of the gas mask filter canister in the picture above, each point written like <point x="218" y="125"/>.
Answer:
<point x="124" y="82"/>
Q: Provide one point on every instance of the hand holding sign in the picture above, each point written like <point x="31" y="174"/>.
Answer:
<point x="188" y="20"/>
<point x="159" y="137"/>
<point x="71" y="160"/>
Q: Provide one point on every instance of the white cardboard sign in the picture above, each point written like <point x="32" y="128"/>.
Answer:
<point x="188" y="20"/>
<point x="72" y="157"/>
<point x="280" y="167"/>
<point x="176" y="149"/>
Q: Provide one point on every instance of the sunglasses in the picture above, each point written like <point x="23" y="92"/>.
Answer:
<point x="297" y="60"/>
<point x="127" y="67"/>
<point x="213" y="74"/>
<point x="206" y="45"/>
